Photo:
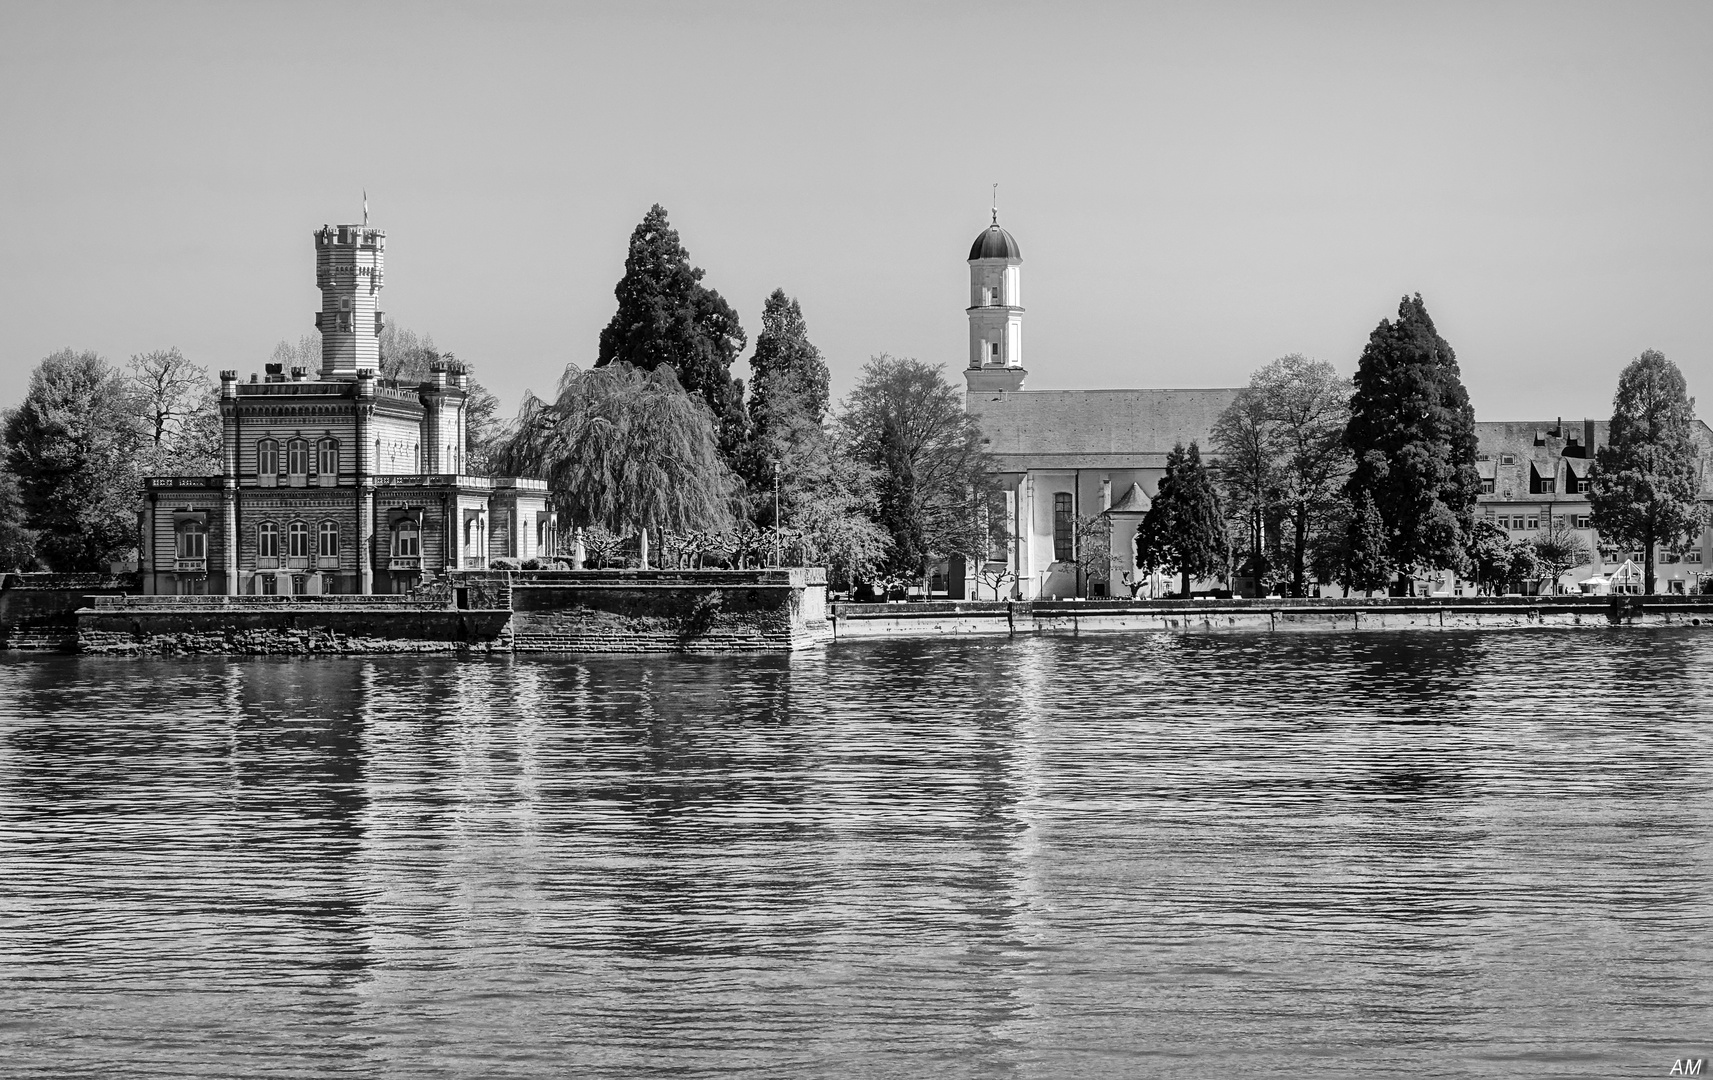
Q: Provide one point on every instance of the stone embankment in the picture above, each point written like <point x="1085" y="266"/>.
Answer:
<point x="1074" y="617"/>
<point x="482" y="611"/>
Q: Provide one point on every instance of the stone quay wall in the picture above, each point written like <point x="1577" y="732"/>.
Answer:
<point x="537" y="611"/>
<point x="39" y="611"/>
<point x="176" y="626"/>
<point x="1072" y="617"/>
<point x="695" y="611"/>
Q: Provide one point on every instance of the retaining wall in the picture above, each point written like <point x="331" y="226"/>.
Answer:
<point x="698" y="611"/>
<point x="120" y="628"/>
<point x="1059" y="617"/>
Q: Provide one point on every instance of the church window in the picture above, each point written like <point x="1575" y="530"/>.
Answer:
<point x="1063" y="527"/>
<point x="297" y="540"/>
<point x="407" y="540"/>
<point x="297" y="458"/>
<point x="267" y="540"/>
<point x="268" y="457"/>
<point x="329" y="540"/>
<point x="192" y="541"/>
<point x="327" y="457"/>
<point x="993" y="352"/>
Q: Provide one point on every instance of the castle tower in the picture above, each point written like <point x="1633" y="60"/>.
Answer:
<point x="995" y="312"/>
<point x="349" y="265"/>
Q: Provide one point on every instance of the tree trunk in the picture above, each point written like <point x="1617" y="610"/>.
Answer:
<point x="1255" y="546"/>
<point x="1299" y="555"/>
<point x="1186" y="583"/>
<point x="1648" y="569"/>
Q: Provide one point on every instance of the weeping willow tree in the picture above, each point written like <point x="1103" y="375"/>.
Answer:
<point x="625" y="449"/>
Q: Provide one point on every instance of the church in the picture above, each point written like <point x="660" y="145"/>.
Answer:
<point x="340" y="481"/>
<point x="1063" y="455"/>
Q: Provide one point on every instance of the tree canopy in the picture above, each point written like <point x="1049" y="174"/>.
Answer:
<point x="625" y="449"/>
<point x="75" y="448"/>
<point x="667" y="316"/>
<point x="1645" y="480"/>
<point x="907" y="423"/>
<point x="1412" y="437"/>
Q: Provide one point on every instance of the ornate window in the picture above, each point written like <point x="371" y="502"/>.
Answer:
<point x="297" y="540"/>
<point x="297" y="458"/>
<point x="1064" y="527"/>
<point x="407" y="540"/>
<point x="267" y="540"/>
<point x="192" y="540"/>
<point x="327" y="457"/>
<point x="329" y="541"/>
<point x="268" y="458"/>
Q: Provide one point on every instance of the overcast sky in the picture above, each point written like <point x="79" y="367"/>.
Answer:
<point x="1196" y="188"/>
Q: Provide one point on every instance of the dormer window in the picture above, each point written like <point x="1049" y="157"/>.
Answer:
<point x="1507" y="459"/>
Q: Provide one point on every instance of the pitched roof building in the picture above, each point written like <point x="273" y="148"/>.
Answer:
<point x="1062" y="454"/>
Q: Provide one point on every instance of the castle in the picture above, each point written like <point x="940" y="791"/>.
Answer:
<point x="344" y="482"/>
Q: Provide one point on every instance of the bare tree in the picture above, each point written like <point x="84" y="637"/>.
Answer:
<point x="178" y="409"/>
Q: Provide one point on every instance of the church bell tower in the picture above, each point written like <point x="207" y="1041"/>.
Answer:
<point x="350" y="261"/>
<point x="995" y="312"/>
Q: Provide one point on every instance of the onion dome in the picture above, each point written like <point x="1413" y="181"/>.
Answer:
<point x="995" y="243"/>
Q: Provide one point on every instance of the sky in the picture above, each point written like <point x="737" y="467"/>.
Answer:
<point x="1197" y="188"/>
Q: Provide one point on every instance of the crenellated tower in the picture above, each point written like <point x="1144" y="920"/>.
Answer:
<point x="350" y="262"/>
<point x="995" y="311"/>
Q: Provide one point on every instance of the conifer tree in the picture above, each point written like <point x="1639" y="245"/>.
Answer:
<point x="788" y="399"/>
<point x="667" y="316"/>
<point x="1644" y="482"/>
<point x="1412" y="435"/>
<point x="1184" y="529"/>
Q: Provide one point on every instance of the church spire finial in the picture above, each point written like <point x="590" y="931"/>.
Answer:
<point x="996" y="204"/>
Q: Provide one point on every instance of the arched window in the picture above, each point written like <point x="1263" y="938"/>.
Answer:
<point x="267" y="540"/>
<point x="329" y="541"/>
<point x="267" y="458"/>
<point x="407" y="540"/>
<point x="192" y="540"/>
<point x="297" y="458"/>
<point x="327" y="457"/>
<point x="297" y="540"/>
<point x="1064" y="528"/>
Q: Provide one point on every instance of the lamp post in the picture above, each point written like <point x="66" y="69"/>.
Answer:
<point x="776" y="513"/>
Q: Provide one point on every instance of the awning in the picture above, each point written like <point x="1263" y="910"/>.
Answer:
<point x="179" y="517"/>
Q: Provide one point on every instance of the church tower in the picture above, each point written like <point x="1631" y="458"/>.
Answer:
<point x="995" y="312"/>
<point x="349" y="266"/>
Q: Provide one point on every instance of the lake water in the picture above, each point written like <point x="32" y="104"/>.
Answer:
<point x="1428" y="854"/>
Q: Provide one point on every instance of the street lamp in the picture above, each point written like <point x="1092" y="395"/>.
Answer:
<point x="776" y="513"/>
